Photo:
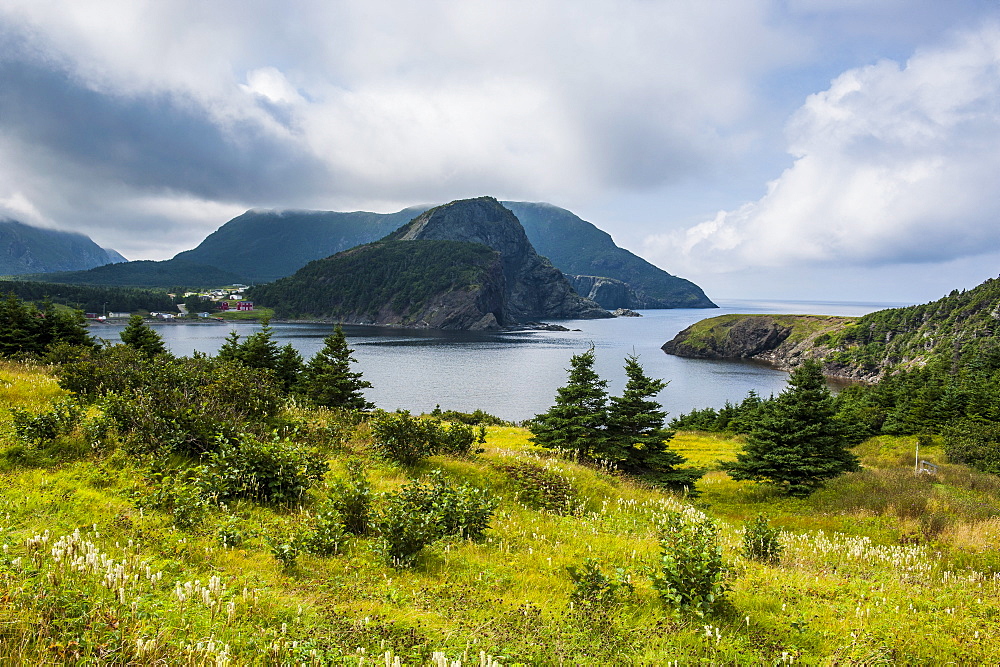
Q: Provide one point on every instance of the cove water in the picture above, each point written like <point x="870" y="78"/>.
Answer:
<point x="514" y="375"/>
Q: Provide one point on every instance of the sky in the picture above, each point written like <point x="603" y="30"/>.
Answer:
<point x="792" y="149"/>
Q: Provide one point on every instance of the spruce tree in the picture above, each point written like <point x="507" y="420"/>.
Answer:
<point x="795" y="442"/>
<point x="328" y="380"/>
<point x="636" y="438"/>
<point x="140" y="336"/>
<point x="578" y="420"/>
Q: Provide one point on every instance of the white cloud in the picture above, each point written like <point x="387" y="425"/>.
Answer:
<point x="892" y="165"/>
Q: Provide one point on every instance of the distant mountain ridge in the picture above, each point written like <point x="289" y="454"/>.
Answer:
<point x="262" y="245"/>
<point x="464" y="265"/>
<point x="25" y="249"/>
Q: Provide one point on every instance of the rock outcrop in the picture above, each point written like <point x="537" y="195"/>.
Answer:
<point x="534" y="288"/>
<point x="784" y="341"/>
<point x="606" y="292"/>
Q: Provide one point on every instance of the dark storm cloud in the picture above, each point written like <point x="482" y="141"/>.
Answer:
<point x="158" y="142"/>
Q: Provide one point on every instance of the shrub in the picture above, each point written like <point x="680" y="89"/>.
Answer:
<point x="44" y="427"/>
<point x="271" y="470"/>
<point x="760" y="541"/>
<point x="594" y="591"/>
<point x="229" y="533"/>
<point x="541" y="488"/>
<point x="476" y="418"/>
<point x="421" y="513"/>
<point x="689" y="574"/>
<point x="406" y="439"/>
<point x="352" y="498"/>
<point x="285" y="552"/>
<point x="327" y="536"/>
<point x="458" y="439"/>
<point x="182" y="493"/>
<point x="175" y="405"/>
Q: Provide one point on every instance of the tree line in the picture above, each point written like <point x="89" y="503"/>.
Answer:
<point x="90" y="299"/>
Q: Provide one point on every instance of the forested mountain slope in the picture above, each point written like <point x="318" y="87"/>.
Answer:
<point x="26" y="249"/>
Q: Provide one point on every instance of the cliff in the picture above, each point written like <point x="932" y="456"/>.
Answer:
<point x="783" y="341"/>
<point x="534" y="289"/>
<point x="606" y="292"/>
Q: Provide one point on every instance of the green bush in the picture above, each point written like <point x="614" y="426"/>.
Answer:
<point x="181" y="492"/>
<point x="458" y="439"/>
<point x="420" y="513"/>
<point x="406" y="439"/>
<point x="403" y="438"/>
<point x="162" y="405"/>
<point x="44" y="427"/>
<point x="760" y="541"/>
<point x="352" y="498"/>
<point x="327" y="536"/>
<point x="540" y="488"/>
<point x="270" y="470"/>
<point x="689" y="574"/>
<point x="594" y="591"/>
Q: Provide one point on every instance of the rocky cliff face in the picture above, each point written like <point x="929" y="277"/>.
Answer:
<point x="606" y="292"/>
<point x="534" y="288"/>
<point x="784" y="341"/>
<point x="479" y="306"/>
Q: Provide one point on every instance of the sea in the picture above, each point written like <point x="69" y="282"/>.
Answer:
<point x="514" y="375"/>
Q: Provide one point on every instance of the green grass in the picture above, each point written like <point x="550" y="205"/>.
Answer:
<point x="255" y="314"/>
<point x="711" y="333"/>
<point x="880" y="566"/>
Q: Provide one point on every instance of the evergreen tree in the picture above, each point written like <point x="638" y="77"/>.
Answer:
<point x="260" y="351"/>
<point x="288" y="366"/>
<point x="328" y="379"/>
<point x="636" y="438"/>
<point x="26" y="330"/>
<point x="140" y="336"/>
<point x="578" y="420"/>
<point x="795" y="442"/>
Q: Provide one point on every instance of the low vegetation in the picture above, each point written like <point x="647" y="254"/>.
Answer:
<point x="193" y="511"/>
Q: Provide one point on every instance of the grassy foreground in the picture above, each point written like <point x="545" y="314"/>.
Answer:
<point x="881" y="566"/>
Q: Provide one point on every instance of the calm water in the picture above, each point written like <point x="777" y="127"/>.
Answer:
<point x="515" y="375"/>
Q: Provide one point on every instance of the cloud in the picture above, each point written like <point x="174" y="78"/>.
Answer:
<point x="892" y="164"/>
<point x="361" y="102"/>
<point x="378" y="104"/>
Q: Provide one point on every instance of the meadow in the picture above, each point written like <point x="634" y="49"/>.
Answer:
<point x="880" y="566"/>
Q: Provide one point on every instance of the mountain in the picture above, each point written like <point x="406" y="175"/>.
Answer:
<point x="959" y="330"/>
<point x="426" y="284"/>
<point x="260" y="246"/>
<point x="145" y="273"/>
<point x="534" y="288"/>
<point x="25" y="249"/>
<point x="467" y="264"/>
<point x="577" y="247"/>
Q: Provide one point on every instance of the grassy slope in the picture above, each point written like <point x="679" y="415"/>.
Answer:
<point x="711" y="332"/>
<point x="878" y="567"/>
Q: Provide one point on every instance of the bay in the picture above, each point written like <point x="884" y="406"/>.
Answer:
<point x="514" y="375"/>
